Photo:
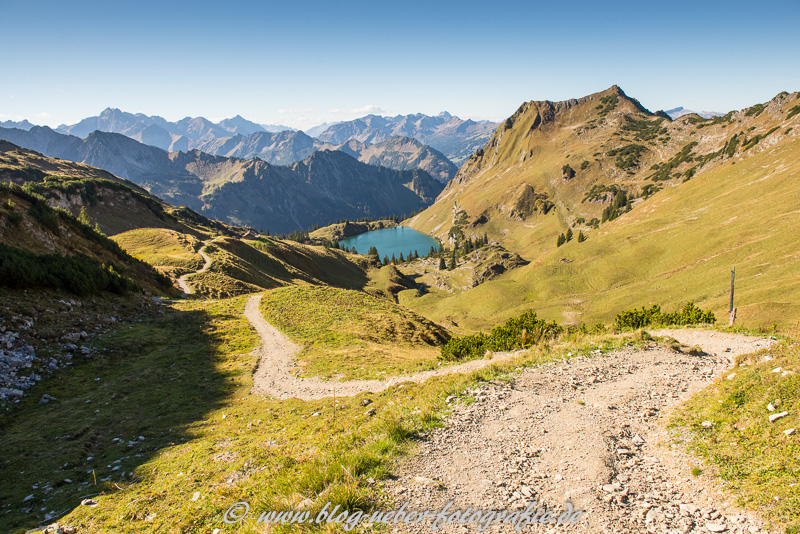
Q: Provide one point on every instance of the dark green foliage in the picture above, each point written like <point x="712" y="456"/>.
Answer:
<point x="792" y="112"/>
<point x="567" y="172"/>
<point x="620" y="205"/>
<point x="518" y="333"/>
<point x="580" y="220"/>
<point x="479" y="152"/>
<point x="78" y="274"/>
<point x="643" y="129"/>
<point x="581" y="237"/>
<point x="700" y="122"/>
<point x="608" y="104"/>
<point x="627" y="157"/>
<point x="569" y="235"/>
<point x="509" y="123"/>
<point x="755" y="111"/>
<point x="594" y="223"/>
<point x="756" y="139"/>
<point x="373" y="251"/>
<point x="385" y="260"/>
<point x="453" y="263"/>
<point x="664" y="171"/>
<point x="584" y="165"/>
<point x="689" y="314"/>
<point x="598" y="192"/>
<point x="442" y="265"/>
<point x="561" y="240"/>
<point x="649" y="190"/>
<point x="45" y="215"/>
<point x="788" y="130"/>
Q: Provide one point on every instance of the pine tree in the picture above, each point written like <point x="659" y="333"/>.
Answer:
<point x="561" y="240"/>
<point x="442" y="266"/>
<point x="581" y="237"/>
<point x="432" y="252"/>
<point x="394" y="260"/>
<point x="453" y="261"/>
<point x="401" y="260"/>
<point x="386" y="260"/>
<point x="569" y="235"/>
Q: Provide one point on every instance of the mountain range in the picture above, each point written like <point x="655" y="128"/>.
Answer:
<point x="325" y="186"/>
<point x="680" y="111"/>
<point x="157" y="131"/>
<point x="454" y="137"/>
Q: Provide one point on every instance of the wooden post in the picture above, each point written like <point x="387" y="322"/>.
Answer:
<point x="733" y="277"/>
<point x="733" y="317"/>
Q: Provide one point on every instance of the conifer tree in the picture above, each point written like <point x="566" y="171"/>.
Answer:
<point x="561" y="240"/>
<point x="569" y="235"/>
<point x="442" y="266"/>
<point x="581" y="237"/>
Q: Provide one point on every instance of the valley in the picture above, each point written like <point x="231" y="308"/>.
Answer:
<point x="188" y="327"/>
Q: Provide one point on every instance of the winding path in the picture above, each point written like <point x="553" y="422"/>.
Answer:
<point x="185" y="287"/>
<point x="275" y="376"/>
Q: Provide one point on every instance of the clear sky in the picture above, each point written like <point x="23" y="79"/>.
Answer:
<point x="300" y="62"/>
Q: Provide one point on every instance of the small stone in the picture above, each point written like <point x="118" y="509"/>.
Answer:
<point x="88" y="502"/>
<point x="707" y="424"/>
<point x="774" y="417"/>
<point x="731" y="376"/>
<point x="305" y="503"/>
<point x="425" y="481"/>
<point x="28" y="498"/>
<point x="367" y="402"/>
<point x="195" y="496"/>
<point x="778" y="370"/>
<point x="770" y="407"/>
<point x="638" y="440"/>
<point x="315" y="414"/>
<point x="789" y="431"/>
<point x="371" y="412"/>
<point x="716" y="527"/>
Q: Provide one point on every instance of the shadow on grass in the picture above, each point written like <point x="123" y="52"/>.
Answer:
<point x="152" y="380"/>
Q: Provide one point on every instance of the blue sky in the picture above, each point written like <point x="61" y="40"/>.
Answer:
<point x="300" y="62"/>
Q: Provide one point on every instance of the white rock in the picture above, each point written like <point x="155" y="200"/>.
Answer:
<point x="425" y="481"/>
<point x="716" y="527"/>
<point x="774" y="417"/>
<point x="789" y="431"/>
<point x="778" y="370"/>
<point x="731" y="376"/>
<point x="195" y="496"/>
<point x="770" y="407"/>
<point x="706" y="424"/>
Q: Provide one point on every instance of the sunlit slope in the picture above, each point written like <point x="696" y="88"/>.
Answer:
<point x="554" y="165"/>
<point x="678" y="245"/>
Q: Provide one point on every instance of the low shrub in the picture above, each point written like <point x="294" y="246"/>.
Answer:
<point x="517" y="333"/>
<point x="689" y="314"/>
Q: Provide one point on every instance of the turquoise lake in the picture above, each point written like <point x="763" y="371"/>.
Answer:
<point x="388" y="241"/>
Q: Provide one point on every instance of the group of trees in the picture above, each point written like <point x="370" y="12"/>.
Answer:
<point x="567" y="237"/>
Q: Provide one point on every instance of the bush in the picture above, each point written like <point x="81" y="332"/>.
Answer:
<point x="627" y="156"/>
<point x="568" y="172"/>
<point x="77" y="274"/>
<point x="517" y="333"/>
<point x="689" y="314"/>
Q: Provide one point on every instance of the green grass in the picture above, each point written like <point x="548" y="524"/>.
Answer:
<point x="352" y="334"/>
<point x="182" y="381"/>
<point x="758" y="462"/>
<point x="170" y="251"/>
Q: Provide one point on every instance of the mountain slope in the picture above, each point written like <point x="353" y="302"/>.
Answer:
<point x="403" y="153"/>
<point x="454" y="137"/>
<point x="701" y="196"/>
<point x="279" y="198"/>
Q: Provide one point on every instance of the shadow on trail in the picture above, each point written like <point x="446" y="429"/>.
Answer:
<point x="153" y="379"/>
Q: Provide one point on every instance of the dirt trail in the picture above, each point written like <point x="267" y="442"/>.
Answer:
<point x="275" y="374"/>
<point x="185" y="287"/>
<point x="588" y="430"/>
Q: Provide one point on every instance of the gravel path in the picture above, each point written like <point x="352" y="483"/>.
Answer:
<point x="185" y="287"/>
<point x="276" y="372"/>
<point x="587" y="430"/>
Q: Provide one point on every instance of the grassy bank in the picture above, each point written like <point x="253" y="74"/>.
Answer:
<point x="759" y="463"/>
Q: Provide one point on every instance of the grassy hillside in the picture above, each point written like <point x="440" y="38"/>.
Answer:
<point x="247" y="266"/>
<point x="49" y="248"/>
<point x="115" y="205"/>
<point x="738" y="208"/>
<point x="351" y="334"/>
<point x="755" y="457"/>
